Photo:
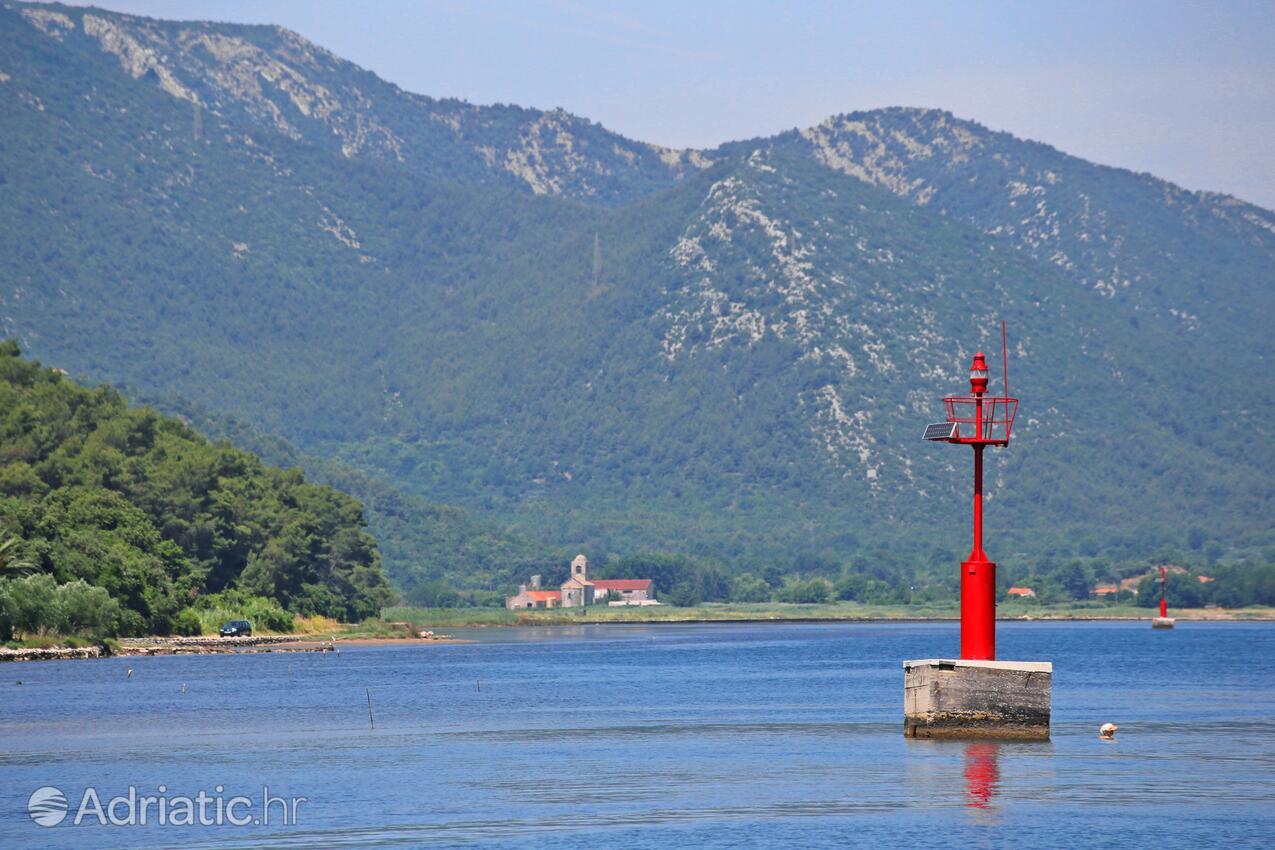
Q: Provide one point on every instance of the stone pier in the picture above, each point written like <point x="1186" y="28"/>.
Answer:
<point x="977" y="699"/>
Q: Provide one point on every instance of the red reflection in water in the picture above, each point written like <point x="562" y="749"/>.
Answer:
<point x="982" y="773"/>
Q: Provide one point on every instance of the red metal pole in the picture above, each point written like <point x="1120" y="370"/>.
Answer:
<point x="976" y="554"/>
<point x="978" y="575"/>
<point x="1164" y="605"/>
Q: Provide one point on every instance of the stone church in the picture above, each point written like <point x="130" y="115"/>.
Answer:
<point x="577" y="591"/>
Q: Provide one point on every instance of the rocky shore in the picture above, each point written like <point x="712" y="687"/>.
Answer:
<point x="51" y="653"/>
<point x="149" y="645"/>
<point x="168" y="646"/>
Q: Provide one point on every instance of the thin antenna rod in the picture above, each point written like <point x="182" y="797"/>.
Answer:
<point x="1005" y="357"/>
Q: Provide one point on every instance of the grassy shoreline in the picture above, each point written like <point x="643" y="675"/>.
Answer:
<point x="404" y="624"/>
<point x="780" y="612"/>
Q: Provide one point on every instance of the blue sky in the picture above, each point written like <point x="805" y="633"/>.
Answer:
<point x="1183" y="90"/>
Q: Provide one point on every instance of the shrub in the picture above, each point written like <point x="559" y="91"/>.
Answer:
<point x="188" y="623"/>
<point x="433" y="594"/>
<point x="29" y="604"/>
<point x="750" y="588"/>
<point x="684" y="594"/>
<point x="82" y="608"/>
<point x="811" y="592"/>
<point x="38" y="605"/>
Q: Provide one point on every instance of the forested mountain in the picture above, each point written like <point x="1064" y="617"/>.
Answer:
<point x="592" y="342"/>
<point x="1190" y="261"/>
<point x="140" y="505"/>
<point x="438" y="554"/>
<point x="270" y="79"/>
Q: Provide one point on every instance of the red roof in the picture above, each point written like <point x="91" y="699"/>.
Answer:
<point x="544" y="595"/>
<point x="623" y="584"/>
<point x="1021" y="591"/>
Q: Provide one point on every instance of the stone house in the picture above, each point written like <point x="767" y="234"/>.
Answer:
<point x="534" y="599"/>
<point x="533" y="596"/>
<point x="630" y="591"/>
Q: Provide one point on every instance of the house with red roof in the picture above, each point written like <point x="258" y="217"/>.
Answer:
<point x="534" y="596"/>
<point x="624" y="591"/>
<point x="579" y="591"/>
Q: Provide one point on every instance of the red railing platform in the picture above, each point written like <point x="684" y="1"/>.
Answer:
<point x="997" y="418"/>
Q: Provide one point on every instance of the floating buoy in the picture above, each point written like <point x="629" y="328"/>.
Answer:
<point x="1107" y="731"/>
<point x="130" y="673"/>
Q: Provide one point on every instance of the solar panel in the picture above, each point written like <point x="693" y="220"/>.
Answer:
<point x="940" y="431"/>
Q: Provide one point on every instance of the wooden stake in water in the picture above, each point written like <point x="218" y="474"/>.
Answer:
<point x="370" y="722"/>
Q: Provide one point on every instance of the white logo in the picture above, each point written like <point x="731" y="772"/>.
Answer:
<point x="47" y="806"/>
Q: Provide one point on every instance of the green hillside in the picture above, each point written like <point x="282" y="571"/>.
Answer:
<point x="141" y="506"/>
<point x="1195" y="263"/>
<point x="437" y="554"/>
<point x="584" y="342"/>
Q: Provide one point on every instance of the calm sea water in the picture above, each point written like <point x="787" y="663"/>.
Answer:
<point x="656" y="736"/>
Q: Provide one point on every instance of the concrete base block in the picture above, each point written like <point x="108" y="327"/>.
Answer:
<point x="1162" y="623"/>
<point x="977" y="699"/>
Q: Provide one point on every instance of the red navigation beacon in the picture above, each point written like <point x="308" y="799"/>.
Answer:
<point x="978" y="420"/>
